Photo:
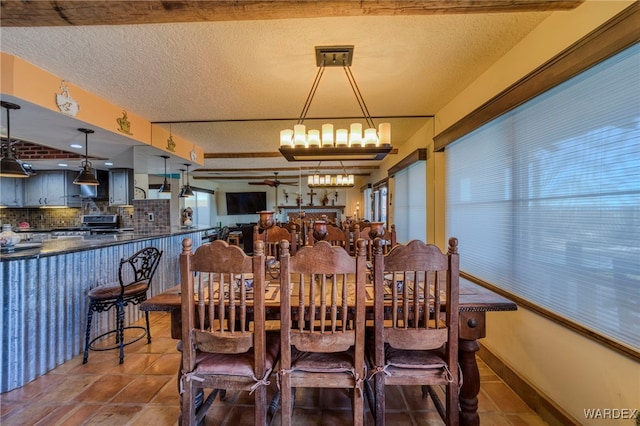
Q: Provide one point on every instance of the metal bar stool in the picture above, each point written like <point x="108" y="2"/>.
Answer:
<point x="142" y="265"/>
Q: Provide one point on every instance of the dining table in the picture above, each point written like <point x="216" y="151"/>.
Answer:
<point x="475" y="301"/>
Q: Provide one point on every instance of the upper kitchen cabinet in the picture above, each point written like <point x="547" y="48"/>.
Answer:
<point x="11" y="192"/>
<point x="51" y="188"/>
<point x="120" y="187"/>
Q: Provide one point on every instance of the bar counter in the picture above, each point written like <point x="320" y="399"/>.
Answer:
<point x="44" y="295"/>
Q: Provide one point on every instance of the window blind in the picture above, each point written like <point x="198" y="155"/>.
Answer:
<point x="545" y="200"/>
<point x="410" y="203"/>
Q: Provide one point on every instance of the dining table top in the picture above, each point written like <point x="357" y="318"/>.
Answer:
<point x="473" y="298"/>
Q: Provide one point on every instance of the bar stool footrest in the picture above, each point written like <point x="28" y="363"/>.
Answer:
<point x="117" y="345"/>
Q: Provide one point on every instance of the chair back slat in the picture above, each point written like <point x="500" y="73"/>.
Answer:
<point x="216" y="298"/>
<point x="139" y="268"/>
<point x="416" y="280"/>
<point x="319" y="284"/>
<point x="334" y="235"/>
<point x="273" y="236"/>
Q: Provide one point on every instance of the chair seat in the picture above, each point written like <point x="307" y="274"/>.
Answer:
<point x="400" y="358"/>
<point x="107" y="292"/>
<point x="237" y="364"/>
<point x="319" y="362"/>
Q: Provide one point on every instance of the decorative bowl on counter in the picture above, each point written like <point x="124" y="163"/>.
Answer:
<point x="8" y="238"/>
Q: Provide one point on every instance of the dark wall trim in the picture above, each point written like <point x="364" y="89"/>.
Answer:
<point x="195" y="188"/>
<point x="552" y="316"/>
<point x="419" y="154"/>
<point x="379" y="184"/>
<point x="548" y="410"/>
<point x="365" y="187"/>
<point x="610" y="38"/>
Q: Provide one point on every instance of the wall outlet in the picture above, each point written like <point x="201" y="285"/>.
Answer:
<point x="150" y="217"/>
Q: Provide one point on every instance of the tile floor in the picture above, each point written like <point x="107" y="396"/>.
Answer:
<point x="143" y="391"/>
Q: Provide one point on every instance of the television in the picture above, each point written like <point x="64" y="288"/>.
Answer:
<point x="246" y="202"/>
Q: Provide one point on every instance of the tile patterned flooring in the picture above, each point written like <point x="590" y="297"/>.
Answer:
<point x="143" y="391"/>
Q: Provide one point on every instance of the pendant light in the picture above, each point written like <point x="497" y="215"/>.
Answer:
<point x="186" y="190"/>
<point x="9" y="165"/>
<point x="165" y="188"/>
<point x="86" y="175"/>
<point x="181" y="192"/>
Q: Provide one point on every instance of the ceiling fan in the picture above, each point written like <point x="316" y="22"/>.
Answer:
<point x="274" y="183"/>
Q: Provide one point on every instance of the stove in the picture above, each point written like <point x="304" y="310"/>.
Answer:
<point x="92" y="224"/>
<point x="100" y="223"/>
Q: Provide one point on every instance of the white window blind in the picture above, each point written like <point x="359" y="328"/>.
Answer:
<point x="202" y="204"/>
<point x="410" y="203"/>
<point x="545" y="200"/>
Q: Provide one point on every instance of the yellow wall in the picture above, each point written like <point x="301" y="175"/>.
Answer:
<point x="25" y="81"/>
<point x="573" y="371"/>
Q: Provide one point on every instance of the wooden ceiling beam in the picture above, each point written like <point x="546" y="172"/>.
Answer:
<point x="20" y="13"/>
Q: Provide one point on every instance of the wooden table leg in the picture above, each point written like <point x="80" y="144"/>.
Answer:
<point x="472" y="327"/>
<point x="471" y="385"/>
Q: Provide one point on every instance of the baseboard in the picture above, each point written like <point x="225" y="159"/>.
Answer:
<point x="549" y="411"/>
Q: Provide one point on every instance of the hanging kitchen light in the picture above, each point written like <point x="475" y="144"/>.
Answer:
<point x="181" y="192"/>
<point x="86" y="175"/>
<point x="186" y="190"/>
<point x="165" y="188"/>
<point x="10" y="166"/>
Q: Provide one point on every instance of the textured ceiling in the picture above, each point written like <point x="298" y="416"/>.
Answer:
<point x="246" y="70"/>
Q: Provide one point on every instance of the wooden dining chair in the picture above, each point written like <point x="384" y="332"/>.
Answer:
<point x="322" y="319"/>
<point x="369" y="231"/>
<point x="416" y="343"/>
<point x="293" y="227"/>
<point x="323" y="231"/>
<point x="224" y="342"/>
<point x="272" y="238"/>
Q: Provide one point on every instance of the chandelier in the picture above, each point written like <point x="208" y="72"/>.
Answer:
<point x="330" y="181"/>
<point x="319" y="180"/>
<point x="298" y="144"/>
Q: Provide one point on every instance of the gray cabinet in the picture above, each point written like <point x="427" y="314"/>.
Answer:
<point x="51" y="188"/>
<point x="11" y="192"/>
<point x="120" y="187"/>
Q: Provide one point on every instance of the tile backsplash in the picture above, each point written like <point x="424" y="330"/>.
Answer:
<point x="135" y="217"/>
<point x="42" y="218"/>
<point x="152" y="216"/>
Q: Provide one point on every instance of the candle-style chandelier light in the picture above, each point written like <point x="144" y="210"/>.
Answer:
<point x="298" y="144"/>
<point x="319" y="180"/>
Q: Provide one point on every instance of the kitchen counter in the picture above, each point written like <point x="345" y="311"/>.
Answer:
<point x="44" y="295"/>
<point x="51" y="247"/>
